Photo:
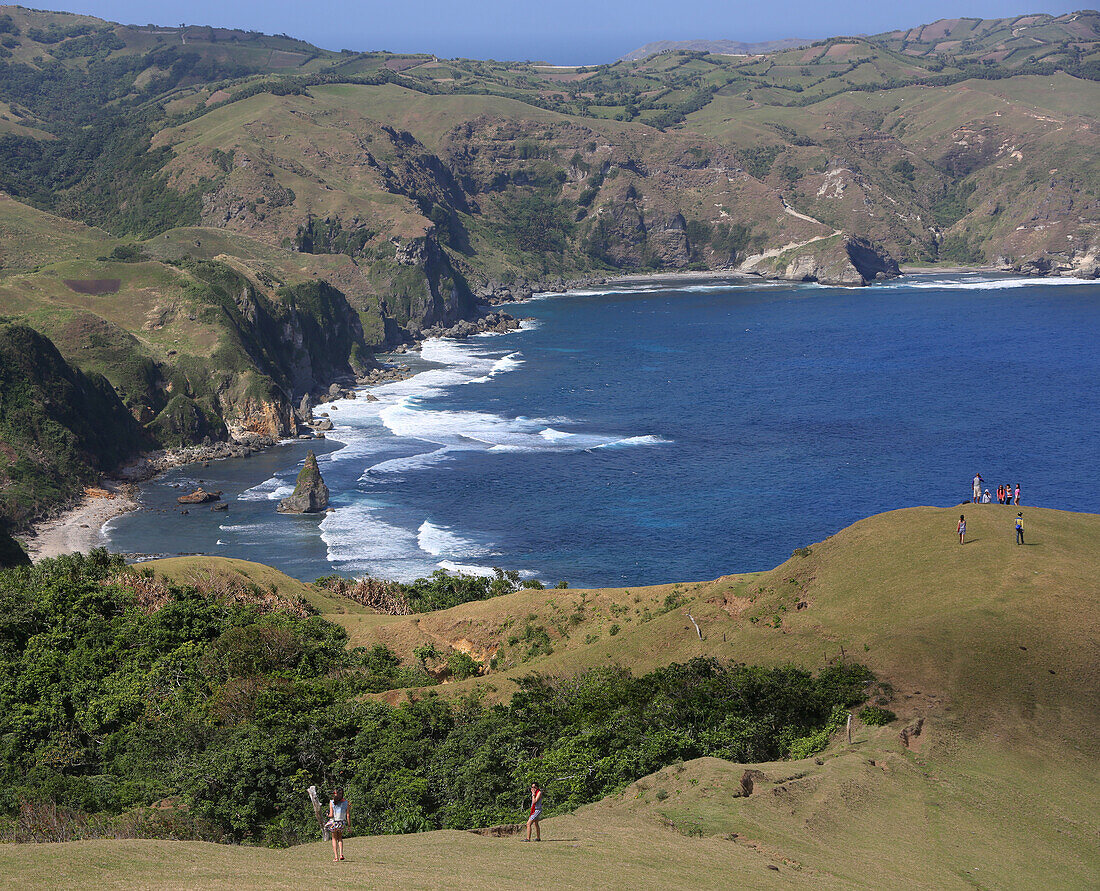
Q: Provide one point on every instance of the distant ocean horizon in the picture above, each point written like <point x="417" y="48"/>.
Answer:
<point x="653" y="433"/>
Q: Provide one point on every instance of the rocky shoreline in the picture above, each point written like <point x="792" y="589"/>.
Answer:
<point x="79" y="527"/>
<point x="496" y="294"/>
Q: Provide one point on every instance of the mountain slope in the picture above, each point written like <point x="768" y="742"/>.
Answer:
<point x="59" y="428"/>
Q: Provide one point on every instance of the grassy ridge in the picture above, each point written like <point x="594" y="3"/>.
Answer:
<point x="996" y="791"/>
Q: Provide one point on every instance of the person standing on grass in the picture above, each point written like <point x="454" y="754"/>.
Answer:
<point x="1020" y="528"/>
<point x="1017" y="494"/>
<point x="977" y="487"/>
<point x="962" y="529"/>
<point x="536" y="812"/>
<point x="339" y="819"/>
<point x="1000" y="494"/>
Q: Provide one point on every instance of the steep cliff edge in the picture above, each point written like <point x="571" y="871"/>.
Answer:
<point x="835" y="260"/>
<point x="59" y="428"/>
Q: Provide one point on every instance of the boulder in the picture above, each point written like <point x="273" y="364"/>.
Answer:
<point x="310" y="492"/>
<point x="323" y="424"/>
<point x="199" y="496"/>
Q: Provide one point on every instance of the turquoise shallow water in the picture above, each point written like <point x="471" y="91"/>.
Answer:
<point x="649" y="434"/>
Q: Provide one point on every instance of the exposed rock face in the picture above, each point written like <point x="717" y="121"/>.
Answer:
<point x="305" y="408"/>
<point x="837" y="260"/>
<point x="310" y="493"/>
<point x="10" y="552"/>
<point x="199" y="496"/>
<point x="425" y="288"/>
<point x="871" y="261"/>
<point x="257" y="417"/>
<point x="1075" y="264"/>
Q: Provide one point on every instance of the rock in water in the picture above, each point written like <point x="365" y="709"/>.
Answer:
<point x="310" y="493"/>
<point x="199" y="496"/>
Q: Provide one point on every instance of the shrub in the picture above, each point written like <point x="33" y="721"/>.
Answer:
<point x="462" y="665"/>
<point x="874" y="716"/>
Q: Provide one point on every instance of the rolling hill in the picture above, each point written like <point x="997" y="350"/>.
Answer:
<point x="992" y="785"/>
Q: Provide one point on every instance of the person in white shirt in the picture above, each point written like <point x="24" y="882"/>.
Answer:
<point x="339" y="819"/>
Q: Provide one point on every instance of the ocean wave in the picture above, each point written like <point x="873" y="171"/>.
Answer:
<point x="440" y="541"/>
<point x="629" y="441"/>
<point x="410" y="462"/>
<point x="359" y="540"/>
<point x="269" y="490"/>
<point x="467" y="569"/>
<point x="982" y="284"/>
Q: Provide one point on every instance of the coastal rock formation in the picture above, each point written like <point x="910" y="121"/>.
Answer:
<point x="499" y="322"/>
<point x="310" y="492"/>
<point x="837" y="260"/>
<point x="199" y="496"/>
<point x="1075" y="264"/>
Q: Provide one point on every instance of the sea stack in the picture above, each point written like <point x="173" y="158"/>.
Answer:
<point x="310" y="493"/>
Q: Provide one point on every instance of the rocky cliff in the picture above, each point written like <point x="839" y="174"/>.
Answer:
<point x="59" y="427"/>
<point x="836" y="260"/>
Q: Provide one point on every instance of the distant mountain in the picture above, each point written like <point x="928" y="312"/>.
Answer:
<point x="719" y="47"/>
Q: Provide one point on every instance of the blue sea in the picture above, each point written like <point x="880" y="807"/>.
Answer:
<point x="658" y="433"/>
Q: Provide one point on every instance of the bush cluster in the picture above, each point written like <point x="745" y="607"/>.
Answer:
<point x="119" y="692"/>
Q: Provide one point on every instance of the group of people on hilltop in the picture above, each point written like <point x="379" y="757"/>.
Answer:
<point x="1006" y="494"/>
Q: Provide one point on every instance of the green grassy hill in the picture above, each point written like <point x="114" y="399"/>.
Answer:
<point x="996" y="789"/>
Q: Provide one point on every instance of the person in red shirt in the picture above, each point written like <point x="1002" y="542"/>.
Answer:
<point x="536" y="812"/>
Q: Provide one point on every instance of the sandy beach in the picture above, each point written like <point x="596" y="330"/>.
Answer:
<point x="81" y="528"/>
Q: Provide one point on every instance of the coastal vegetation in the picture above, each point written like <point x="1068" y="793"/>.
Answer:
<point x="120" y="691"/>
<point x="971" y="677"/>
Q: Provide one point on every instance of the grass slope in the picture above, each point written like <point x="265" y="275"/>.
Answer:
<point x="997" y="791"/>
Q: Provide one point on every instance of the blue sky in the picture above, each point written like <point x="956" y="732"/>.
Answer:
<point x="561" y="31"/>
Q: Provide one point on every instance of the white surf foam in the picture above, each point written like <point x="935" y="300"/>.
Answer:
<point x="982" y="284"/>
<point x="269" y="490"/>
<point x="402" y="465"/>
<point x="443" y="541"/>
<point x="359" y="540"/>
<point x="635" y="441"/>
<point x="467" y="568"/>
<point x="357" y="536"/>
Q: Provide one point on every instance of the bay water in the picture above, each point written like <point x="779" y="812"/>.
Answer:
<point x="674" y="433"/>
